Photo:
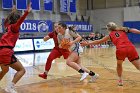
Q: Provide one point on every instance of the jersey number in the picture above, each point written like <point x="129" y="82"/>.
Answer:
<point x="117" y="34"/>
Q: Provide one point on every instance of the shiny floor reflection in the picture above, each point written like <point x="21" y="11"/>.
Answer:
<point x="63" y="79"/>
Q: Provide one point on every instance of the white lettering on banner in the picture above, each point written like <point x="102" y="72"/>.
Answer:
<point x="23" y="26"/>
<point x="83" y="27"/>
<point x="28" y="26"/>
<point x="34" y="26"/>
<point x="47" y="1"/>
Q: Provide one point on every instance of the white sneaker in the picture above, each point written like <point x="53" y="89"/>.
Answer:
<point x="84" y="75"/>
<point x="93" y="78"/>
<point x="10" y="89"/>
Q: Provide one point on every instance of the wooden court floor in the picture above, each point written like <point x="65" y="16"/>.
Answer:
<point x="63" y="79"/>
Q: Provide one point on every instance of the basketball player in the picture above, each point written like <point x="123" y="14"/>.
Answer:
<point x="55" y="53"/>
<point x="124" y="48"/>
<point x="7" y="43"/>
<point x="73" y="59"/>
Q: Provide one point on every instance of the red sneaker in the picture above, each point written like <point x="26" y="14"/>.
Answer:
<point x="43" y="75"/>
<point x="120" y="82"/>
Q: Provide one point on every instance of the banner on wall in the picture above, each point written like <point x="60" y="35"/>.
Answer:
<point x="23" y="45"/>
<point x="7" y="4"/>
<point x="40" y="44"/>
<point x="48" y="5"/>
<point x="73" y="6"/>
<point x="35" y="4"/>
<point x="64" y="6"/>
<point x="21" y="4"/>
<point x="81" y="26"/>
<point x="36" y="26"/>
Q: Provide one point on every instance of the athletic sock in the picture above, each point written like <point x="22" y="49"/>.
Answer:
<point x="81" y="71"/>
<point x="91" y="73"/>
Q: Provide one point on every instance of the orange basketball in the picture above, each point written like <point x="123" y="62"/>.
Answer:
<point x="65" y="43"/>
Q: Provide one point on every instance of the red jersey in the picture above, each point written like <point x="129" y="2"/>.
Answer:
<point x="54" y="36"/>
<point x="12" y="34"/>
<point x="120" y="39"/>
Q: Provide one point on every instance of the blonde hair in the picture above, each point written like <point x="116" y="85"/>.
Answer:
<point x="111" y="26"/>
<point x="126" y="29"/>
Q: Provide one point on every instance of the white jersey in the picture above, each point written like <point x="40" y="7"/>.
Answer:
<point x="71" y="35"/>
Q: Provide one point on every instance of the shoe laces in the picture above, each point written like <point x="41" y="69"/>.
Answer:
<point x="13" y="89"/>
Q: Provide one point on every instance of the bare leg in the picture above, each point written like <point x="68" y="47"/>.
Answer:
<point x="20" y="71"/>
<point x="84" y="68"/>
<point x="119" y="71"/>
<point x="4" y="69"/>
<point x="71" y="61"/>
<point x="119" y="68"/>
<point x="136" y="63"/>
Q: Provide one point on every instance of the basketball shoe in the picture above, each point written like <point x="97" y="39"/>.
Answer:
<point x="93" y="78"/>
<point x="10" y="88"/>
<point x="120" y="82"/>
<point x="43" y="75"/>
<point x="84" y="75"/>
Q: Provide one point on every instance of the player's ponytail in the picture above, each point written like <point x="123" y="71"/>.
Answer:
<point x="72" y="28"/>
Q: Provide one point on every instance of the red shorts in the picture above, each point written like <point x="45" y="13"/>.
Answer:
<point x="6" y="56"/>
<point x="65" y="53"/>
<point x="58" y="52"/>
<point x="129" y="52"/>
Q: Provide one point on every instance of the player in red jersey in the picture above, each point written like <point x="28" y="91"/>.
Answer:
<point x="55" y="53"/>
<point x="7" y="43"/>
<point x="124" y="48"/>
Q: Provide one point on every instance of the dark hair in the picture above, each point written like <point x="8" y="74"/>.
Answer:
<point x="13" y="17"/>
<point x="63" y="25"/>
<point x="72" y="28"/>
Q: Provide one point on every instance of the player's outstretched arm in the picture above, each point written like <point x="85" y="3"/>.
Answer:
<point x="16" y="26"/>
<point x="133" y="30"/>
<point x="96" y="42"/>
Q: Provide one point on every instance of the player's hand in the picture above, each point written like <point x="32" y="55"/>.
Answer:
<point x="84" y="43"/>
<point x="29" y="8"/>
<point x="14" y="8"/>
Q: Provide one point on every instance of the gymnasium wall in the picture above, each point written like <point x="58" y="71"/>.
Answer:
<point x="132" y="20"/>
<point x="100" y="12"/>
<point x="127" y="16"/>
<point x="100" y="17"/>
<point x="55" y="15"/>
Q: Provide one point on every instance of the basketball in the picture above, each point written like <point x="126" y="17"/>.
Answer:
<point x="65" y="43"/>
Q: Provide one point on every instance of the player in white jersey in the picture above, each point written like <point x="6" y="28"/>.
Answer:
<point x="74" y="59"/>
